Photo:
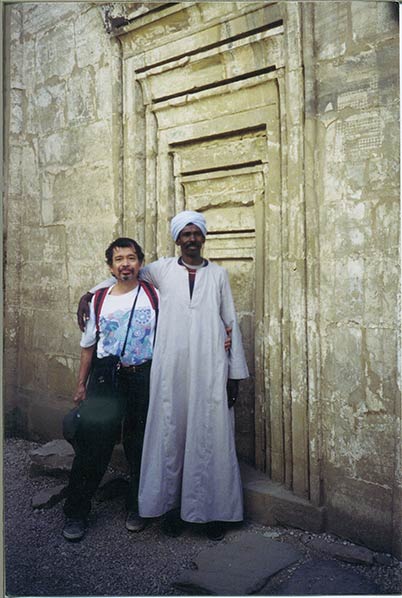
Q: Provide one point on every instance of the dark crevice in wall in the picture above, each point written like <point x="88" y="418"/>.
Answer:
<point x="223" y="168"/>
<point x="232" y="134"/>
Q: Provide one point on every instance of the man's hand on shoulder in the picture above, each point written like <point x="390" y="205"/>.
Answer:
<point x="83" y="310"/>
<point x="228" y="340"/>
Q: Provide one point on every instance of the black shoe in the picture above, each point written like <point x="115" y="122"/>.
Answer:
<point x="74" y="529"/>
<point x="172" y="525"/>
<point x="134" y="523"/>
<point x="215" y="530"/>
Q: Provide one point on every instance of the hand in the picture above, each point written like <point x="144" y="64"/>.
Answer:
<point x="80" y="394"/>
<point x="228" y="341"/>
<point x="83" y="310"/>
<point x="232" y="388"/>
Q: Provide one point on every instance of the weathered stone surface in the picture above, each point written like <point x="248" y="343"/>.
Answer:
<point x="238" y="568"/>
<point x="271" y="504"/>
<point x="49" y="497"/>
<point x="344" y="552"/>
<point x="55" y="458"/>
<point x="324" y="578"/>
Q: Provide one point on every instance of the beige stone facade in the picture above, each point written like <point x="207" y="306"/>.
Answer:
<point x="280" y="121"/>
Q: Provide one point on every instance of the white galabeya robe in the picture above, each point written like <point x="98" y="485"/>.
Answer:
<point x="189" y="456"/>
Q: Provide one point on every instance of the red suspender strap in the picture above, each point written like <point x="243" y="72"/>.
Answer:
<point x="152" y="295"/>
<point x="98" y="300"/>
<point x="154" y="299"/>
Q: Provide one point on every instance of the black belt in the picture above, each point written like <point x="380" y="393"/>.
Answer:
<point x="133" y="369"/>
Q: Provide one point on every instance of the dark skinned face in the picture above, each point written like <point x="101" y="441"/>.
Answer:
<point x="190" y="242"/>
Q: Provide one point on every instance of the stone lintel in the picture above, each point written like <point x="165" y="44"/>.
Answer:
<point x="270" y="503"/>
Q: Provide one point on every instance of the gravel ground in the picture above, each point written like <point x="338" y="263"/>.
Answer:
<point x="109" y="560"/>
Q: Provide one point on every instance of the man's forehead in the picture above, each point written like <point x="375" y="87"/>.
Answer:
<point x="191" y="228"/>
<point x="129" y="249"/>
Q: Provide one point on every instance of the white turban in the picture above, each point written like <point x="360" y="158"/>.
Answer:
<point x="187" y="217"/>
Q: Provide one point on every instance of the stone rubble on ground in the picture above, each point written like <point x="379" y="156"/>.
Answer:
<point x="254" y="560"/>
<point x="53" y="458"/>
<point x="344" y="552"/>
<point x="239" y="568"/>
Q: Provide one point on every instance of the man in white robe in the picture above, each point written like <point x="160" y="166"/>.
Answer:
<point x="189" y="457"/>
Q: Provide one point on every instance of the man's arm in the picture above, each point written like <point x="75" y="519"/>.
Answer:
<point x="85" y="366"/>
<point x="237" y="363"/>
<point x="83" y="305"/>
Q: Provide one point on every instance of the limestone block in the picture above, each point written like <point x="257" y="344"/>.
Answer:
<point x="237" y="189"/>
<point x="105" y="93"/>
<point x="153" y="33"/>
<point x="45" y="244"/>
<point x="371" y="19"/>
<point x="270" y="503"/>
<point x="14" y="180"/>
<point x="206" y="106"/>
<point x="61" y="374"/>
<point x="30" y="184"/>
<point x="55" y="56"/>
<point x="70" y="147"/>
<point x="342" y="354"/>
<point x="359" y="511"/>
<point x="14" y="15"/>
<point x="91" y="40"/>
<point x="359" y="82"/>
<point x="381" y="364"/>
<point x="38" y="17"/>
<point x="95" y="184"/>
<point x="381" y="288"/>
<point x="28" y="70"/>
<point x="44" y="291"/>
<point x="13" y="27"/>
<point x="223" y="153"/>
<point x="342" y="284"/>
<point x="49" y="107"/>
<point x="330" y="27"/>
<point x="16" y="111"/>
<point x="33" y="364"/>
<point x="80" y="97"/>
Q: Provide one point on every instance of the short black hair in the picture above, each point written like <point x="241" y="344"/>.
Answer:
<point x="123" y="242"/>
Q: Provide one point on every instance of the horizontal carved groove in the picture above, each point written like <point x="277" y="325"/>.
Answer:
<point x="233" y="259"/>
<point x="249" y="75"/>
<point x="221" y="42"/>
<point x="223" y="168"/>
<point x="232" y="232"/>
<point x="216" y="136"/>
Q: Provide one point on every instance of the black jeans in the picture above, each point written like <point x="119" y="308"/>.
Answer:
<point x="99" y="430"/>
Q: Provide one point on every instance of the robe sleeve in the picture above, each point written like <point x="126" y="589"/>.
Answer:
<point x="154" y="272"/>
<point x="103" y="285"/>
<point x="238" y="369"/>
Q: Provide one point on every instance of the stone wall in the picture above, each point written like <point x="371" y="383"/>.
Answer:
<point x="62" y="197"/>
<point x="323" y="232"/>
<point x="353" y="113"/>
